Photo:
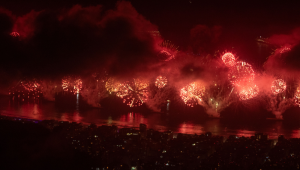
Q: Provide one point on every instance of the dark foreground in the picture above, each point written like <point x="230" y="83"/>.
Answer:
<point x="32" y="144"/>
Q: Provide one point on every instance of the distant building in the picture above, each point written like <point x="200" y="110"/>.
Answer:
<point x="143" y="130"/>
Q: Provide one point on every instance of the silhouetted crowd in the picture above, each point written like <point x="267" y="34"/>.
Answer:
<point x="51" y="144"/>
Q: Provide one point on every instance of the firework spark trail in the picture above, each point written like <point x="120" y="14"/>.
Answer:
<point x="217" y="97"/>
<point x="168" y="44"/>
<point x="168" y="51"/>
<point x="231" y="91"/>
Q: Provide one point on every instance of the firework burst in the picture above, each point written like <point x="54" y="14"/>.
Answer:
<point x="241" y="73"/>
<point x="30" y="85"/>
<point x="192" y="94"/>
<point x="77" y="86"/>
<point x="27" y="89"/>
<point x="297" y="96"/>
<point x="228" y="59"/>
<point x="168" y="51"/>
<point x="15" y="34"/>
<point x="278" y="86"/>
<point x="134" y="93"/>
<point x="161" y="81"/>
<point x="66" y="83"/>
<point x="71" y="85"/>
<point x="113" y="86"/>
<point x="284" y="49"/>
<point x="248" y="92"/>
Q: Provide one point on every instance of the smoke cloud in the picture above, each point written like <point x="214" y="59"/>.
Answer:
<point x="71" y="41"/>
<point x="83" y="41"/>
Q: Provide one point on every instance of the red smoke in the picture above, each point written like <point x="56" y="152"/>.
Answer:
<point x="25" y="26"/>
<point x="118" y="39"/>
<point x="286" y="39"/>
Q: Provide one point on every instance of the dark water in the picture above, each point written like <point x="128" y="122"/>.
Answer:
<point x="180" y="123"/>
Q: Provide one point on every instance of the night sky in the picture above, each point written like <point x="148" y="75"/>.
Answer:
<point x="74" y="37"/>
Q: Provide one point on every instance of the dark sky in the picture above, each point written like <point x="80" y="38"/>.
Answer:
<point x="58" y="38"/>
<point x="176" y="18"/>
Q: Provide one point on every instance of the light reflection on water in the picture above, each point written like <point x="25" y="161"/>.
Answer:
<point x="155" y="121"/>
<point x="190" y="128"/>
<point x="295" y="133"/>
<point x="245" y="133"/>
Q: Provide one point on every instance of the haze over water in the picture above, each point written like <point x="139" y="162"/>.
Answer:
<point x="180" y="123"/>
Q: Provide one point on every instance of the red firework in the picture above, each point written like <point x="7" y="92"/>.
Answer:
<point x="168" y="51"/>
<point x="297" y="96"/>
<point x="15" y="34"/>
<point x="113" y="86"/>
<point x="77" y="86"/>
<point x="71" y="85"/>
<point x="161" y="81"/>
<point x="30" y="85"/>
<point x="165" y="55"/>
<point x="241" y="73"/>
<point x="66" y="83"/>
<point x="228" y="59"/>
<point x="30" y="89"/>
<point x="192" y="94"/>
<point x="133" y="93"/>
<point x="249" y="92"/>
<point x="284" y="49"/>
<point x="278" y="86"/>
